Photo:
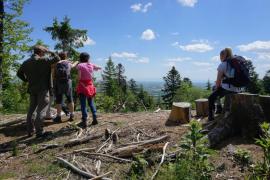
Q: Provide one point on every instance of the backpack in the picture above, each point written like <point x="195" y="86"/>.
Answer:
<point x="241" y="73"/>
<point x="62" y="72"/>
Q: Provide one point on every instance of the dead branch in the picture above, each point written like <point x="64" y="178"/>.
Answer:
<point x="84" y="149"/>
<point x="107" y="155"/>
<point x="77" y="170"/>
<point x="151" y="141"/>
<point x="82" y="141"/>
<point x="105" y="143"/>
<point x="138" y="137"/>
<point x="161" y="162"/>
<point x="97" y="167"/>
<point x="99" y="177"/>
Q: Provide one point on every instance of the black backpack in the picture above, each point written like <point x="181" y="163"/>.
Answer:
<point x="241" y="73"/>
<point x="62" y="72"/>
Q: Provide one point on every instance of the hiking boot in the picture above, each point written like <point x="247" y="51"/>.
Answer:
<point x="83" y="124"/>
<point x="44" y="134"/>
<point x="30" y="134"/>
<point x="71" y="117"/>
<point x="94" y="122"/>
<point x="65" y="110"/>
<point x="57" y="119"/>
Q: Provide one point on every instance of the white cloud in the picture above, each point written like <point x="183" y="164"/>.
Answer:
<point x="175" y="33"/>
<point x="215" y="58"/>
<point x="255" y="46"/>
<point x="126" y="55"/>
<point x="133" y="57"/>
<point x="187" y="3"/>
<point x="179" y="59"/>
<point x="136" y="7"/>
<point x="143" y="60"/>
<point x="200" y="47"/>
<point x="89" y="41"/>
<point x="86" y="42"/>
<point x="148" y="35"/>
<point x="170" y="64"/>
<point x="264" y="56"/>
<point x="140" y="7"/>
<point x="205" y="64"/>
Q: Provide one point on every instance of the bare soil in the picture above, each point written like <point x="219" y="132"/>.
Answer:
<point x="30" y="162"/>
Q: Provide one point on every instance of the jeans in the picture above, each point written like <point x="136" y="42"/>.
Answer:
<point x="219" y="93"/>
<point x="90" y="101"/>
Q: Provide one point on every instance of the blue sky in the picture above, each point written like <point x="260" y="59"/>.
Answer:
<point x="148" y="37"/>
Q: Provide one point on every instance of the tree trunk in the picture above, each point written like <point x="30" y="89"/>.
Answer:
<point x="201" y="107"/>
<point x="180" y="114"/>
<point x="244" y="118"/>
<point x="265" y="103"/>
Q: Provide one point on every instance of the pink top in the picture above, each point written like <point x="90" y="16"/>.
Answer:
<point x="86" y="70"/>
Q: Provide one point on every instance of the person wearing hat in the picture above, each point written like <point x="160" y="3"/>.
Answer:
<point x="36" y="71"/>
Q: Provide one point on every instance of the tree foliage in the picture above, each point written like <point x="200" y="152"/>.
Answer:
<point x="255" y="86"/>
<point x="68" y="38"/>
<point x="172" y="84"/>
<point x="266" y="82"/>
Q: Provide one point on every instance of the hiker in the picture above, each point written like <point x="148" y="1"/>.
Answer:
<point x="36" y="71"/>
<point x="224" y="70"/>
<point x="63" y="86"/>
<point x="85" y="88"/>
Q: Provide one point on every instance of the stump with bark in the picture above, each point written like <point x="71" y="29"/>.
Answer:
<point x="201" y="107"/>
<point x="180" y="114"/>
<point x="265" y="103"/>
<point x="244" y="118"/>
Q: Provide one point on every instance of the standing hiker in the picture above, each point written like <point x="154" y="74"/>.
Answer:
<point x="224" y="71"/>
<point x="36" y="71"/>
<point x="63" y="86"/>
<point x="85" y="88"/>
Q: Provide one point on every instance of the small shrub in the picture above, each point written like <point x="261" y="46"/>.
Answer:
<point x="243" y="157"/>
<point x="138" y="168"/>
<point x="262" y="169"/>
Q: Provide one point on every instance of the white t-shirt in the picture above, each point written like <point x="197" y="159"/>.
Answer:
<point x="226" y="69"/>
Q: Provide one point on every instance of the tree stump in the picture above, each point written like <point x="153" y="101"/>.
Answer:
<point x="244" y="118"/>
<point x="202" y="107"/>
<point x="180" y="114"/>
<point x="265" y="103"/>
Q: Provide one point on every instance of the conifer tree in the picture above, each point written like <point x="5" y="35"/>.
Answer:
<point x="132" y="85"/>
<point x="187" y="81"/>
<point x="121" y="78"/>
<point x="255" y="86"/>
<point x="172" y="83"/>
<point x="109" y="78"/>
<point x="266" y="82"/>
<point x="208" y="85"/>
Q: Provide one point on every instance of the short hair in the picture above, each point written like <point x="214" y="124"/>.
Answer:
<point x="63" y="55"/>
<point x="38" y="49"/>
<point x="227" y="52"/>
<point x="84" y="57"/>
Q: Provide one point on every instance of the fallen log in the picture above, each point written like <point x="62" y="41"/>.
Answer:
<point x="107" y="155"/>
<point x="150" y="141"/>
<point x="180" y="114"/>
<point x="77" y="170"/>
<point x="82" y="140"/>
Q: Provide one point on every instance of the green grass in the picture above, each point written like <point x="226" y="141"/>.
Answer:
<point x="7" y="175"/>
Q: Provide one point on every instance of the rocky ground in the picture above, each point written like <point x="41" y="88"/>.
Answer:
<point x="28" y="158"/>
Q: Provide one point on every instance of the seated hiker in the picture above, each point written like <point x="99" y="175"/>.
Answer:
<point x="63" y="86"/>
<point x="217" y="107"/>
<point x="85" y="88"/>
<point x="36" y="71"/>
<point x="224" y="71"/>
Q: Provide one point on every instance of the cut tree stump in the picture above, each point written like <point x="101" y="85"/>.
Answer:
<point x="265" y="103"/>
<point x="244" y="118"/>
<point x="180" y="114"/>
<point x="201" y="107"/>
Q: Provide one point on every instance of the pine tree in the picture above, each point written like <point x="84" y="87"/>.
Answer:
<point x="266" y="82"/>
<point x="132" y="85"/>
<point x="121" y="78"/>
<point x="208" y="85"/>
<point x="172" y="83"/>
<point x="187" y="81"/>
<point x="255" y="86"/>
<point x="109" y="78"/>
<point x="68" y="38"/>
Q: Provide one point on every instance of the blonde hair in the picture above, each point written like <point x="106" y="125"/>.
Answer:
<point x="227" y="53"/>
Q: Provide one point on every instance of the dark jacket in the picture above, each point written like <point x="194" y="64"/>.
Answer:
<point x="37" y="72"/>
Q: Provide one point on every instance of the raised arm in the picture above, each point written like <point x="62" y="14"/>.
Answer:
<point x="96" y="68"/>
<point x="54" y="58"/>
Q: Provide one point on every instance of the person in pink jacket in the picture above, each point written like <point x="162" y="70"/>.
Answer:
<point x="86" y="89"/>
